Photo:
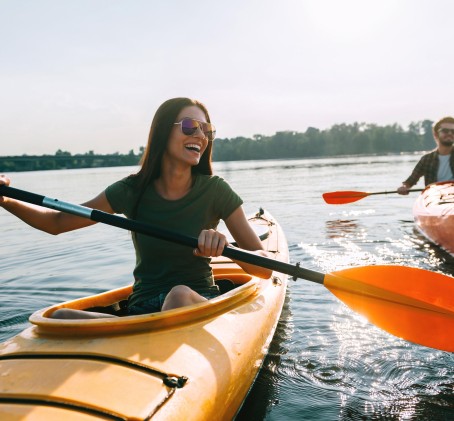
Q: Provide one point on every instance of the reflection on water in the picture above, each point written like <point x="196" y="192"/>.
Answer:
<point x="341" y="228"/>
<point x="326" y="362"/>
<point x="436" y="253"/>
<point x="265" y="392"/>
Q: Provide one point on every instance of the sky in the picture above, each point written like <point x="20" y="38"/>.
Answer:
<point x="88" y="75"/>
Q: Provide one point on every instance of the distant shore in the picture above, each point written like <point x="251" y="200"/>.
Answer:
<point x="339" y="140"/>
<point x="65" y="161"/>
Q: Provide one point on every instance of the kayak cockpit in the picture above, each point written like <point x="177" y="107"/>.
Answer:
<point x="243" y="287"/>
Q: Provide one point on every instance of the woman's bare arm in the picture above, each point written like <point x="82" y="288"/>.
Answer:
<point x="48" y="220"/>
<point x="247" y="239"/>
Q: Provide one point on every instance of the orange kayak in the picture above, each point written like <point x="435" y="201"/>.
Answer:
<point x="434" y="214"/>
<point x="191" y="363"/>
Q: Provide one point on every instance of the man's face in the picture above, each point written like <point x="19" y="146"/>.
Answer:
<point x="445" y="134"/>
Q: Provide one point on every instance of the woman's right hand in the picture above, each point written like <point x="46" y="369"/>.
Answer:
<point x="211" y="243"/>
<point x="4" y="180"/>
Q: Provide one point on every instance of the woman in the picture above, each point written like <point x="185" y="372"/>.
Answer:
<point x="174" y="189"/>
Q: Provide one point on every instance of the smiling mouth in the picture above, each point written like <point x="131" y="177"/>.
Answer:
<point x="447" y="142"/>
<point x="193" y="147"/>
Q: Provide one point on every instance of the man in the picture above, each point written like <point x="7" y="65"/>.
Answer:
<point x="437" y="165"/>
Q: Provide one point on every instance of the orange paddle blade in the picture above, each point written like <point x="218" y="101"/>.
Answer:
<point x="414" y="304"/>
<point x="341" y="197"/>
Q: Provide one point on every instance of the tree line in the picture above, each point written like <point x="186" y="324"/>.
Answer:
<point x="65" y="160"/>
<point x="340" y="139"/>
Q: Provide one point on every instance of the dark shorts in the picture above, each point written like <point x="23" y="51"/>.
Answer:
<point x="154" y="304"/>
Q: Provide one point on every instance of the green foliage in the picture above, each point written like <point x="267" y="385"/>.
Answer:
<point x="340" y="139"/>
<point x="64" y="160"/>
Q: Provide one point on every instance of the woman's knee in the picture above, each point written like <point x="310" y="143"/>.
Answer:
<point x="63" y="313"/>
<point x="180" y="296"/>
<point x="180" y="292"/>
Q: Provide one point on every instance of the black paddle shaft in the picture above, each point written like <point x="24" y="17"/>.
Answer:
<point x="147" y="229"/>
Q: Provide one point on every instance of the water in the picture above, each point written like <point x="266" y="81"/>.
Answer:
<point x="326" y="362"/>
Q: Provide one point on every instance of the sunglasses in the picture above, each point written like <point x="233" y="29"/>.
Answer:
<point x="189" y="127"/>
<point x="446" y="131"/>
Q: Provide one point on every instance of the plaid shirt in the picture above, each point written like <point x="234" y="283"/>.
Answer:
<point x="427" y="167"/>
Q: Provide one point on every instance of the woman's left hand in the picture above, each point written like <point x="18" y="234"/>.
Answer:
<point x="211" y="243"/>
<point x="4" y="181"/>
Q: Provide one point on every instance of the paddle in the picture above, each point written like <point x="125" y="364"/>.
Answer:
<point x="342" y="197"/>
<point x="411" y="303"/>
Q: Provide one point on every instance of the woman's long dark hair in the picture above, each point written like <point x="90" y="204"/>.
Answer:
<point x="161" y="126"/>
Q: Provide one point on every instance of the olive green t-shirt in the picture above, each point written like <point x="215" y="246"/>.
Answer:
<point x="160" y="264"/>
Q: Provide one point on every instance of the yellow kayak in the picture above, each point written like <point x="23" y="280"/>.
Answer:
<point x="192" y="363"/>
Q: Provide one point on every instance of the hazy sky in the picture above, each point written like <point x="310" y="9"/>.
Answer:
<point x="84" y="75"/>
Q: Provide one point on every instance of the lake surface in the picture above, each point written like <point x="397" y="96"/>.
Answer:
<point x="326" y="362"/>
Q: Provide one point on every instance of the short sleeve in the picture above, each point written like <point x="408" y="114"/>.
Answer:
<point x="121" y="196"/>
<point x="227" y="199"/>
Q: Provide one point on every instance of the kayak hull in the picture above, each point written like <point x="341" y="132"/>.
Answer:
<point x="193" y="363"/>
<point x="433" y="212"/>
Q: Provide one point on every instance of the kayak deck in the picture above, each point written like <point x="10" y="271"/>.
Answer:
<point x="196" y="362"/>
<point x="433" y="212"/>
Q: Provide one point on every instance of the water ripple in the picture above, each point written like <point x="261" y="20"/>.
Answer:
<point x="325" y="362"/>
